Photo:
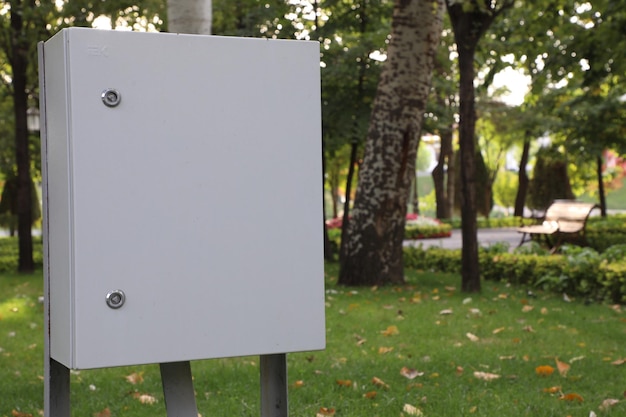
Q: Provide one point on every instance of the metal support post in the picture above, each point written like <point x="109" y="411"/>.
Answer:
<point x="56" y="389"/>
<point x="274" y="397"/>
<point x="180" y="400"/>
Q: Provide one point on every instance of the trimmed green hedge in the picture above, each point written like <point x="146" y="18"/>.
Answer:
<point x="577" y="271"/>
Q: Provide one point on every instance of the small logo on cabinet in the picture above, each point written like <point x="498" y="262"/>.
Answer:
<point x="98" y="50"/>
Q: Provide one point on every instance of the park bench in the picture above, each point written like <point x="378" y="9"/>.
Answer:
<point x="564" y="222"/>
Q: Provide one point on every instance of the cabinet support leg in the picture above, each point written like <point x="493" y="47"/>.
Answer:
<point x="274" y="400"/>
<point x="180" y="400"/>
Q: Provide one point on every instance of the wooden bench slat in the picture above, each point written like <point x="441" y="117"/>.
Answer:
<point x="562" y="218"/>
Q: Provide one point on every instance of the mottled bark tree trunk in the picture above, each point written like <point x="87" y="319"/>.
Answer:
<point x="373" y="246"/>
<point x="185" y="16"/>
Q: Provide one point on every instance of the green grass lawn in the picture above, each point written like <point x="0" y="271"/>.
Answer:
<point x="393" y="351"/>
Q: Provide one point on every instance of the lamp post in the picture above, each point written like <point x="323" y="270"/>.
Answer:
<point x="32" y="119"/>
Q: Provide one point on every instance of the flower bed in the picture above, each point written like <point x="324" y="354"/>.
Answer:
<point x="417" y="227"/>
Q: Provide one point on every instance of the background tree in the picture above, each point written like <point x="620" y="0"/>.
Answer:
<point x="470" y="19"/>
<point x="374" y="243"/>
<point x="23" y="24"/>
<point x="550" y="179"/>
<point x="442" y="110"/>
<point x="184" y="16"/>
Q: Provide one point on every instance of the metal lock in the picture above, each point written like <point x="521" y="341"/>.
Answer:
<point x="115" y="299"/>
<point x="111" y="97"/>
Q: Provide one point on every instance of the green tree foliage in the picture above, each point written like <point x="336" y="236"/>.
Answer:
<point x="505" y="189"/>
<point x="550" y="179"/>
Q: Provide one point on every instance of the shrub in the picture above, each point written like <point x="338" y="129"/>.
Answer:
<point x="577" y="271"/>
<point x="9" y="253"/>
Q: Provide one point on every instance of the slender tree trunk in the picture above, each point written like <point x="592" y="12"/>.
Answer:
<point x="601" y="185"/>
<point x="328" y="251"/>
<point x="451" y="184"/>
<point x="346" y="205"/>
<point x="470" y="272"/>
<point x="522" y="188"/>
<point x="470" y="20"/>
<point x="416" y="200"/>
<point x="442" y="190"/>
<point x="373" y="251"/>
<point x="19" y="65"/>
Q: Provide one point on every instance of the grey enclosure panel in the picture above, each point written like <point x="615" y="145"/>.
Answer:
<point x="198" y="195"/>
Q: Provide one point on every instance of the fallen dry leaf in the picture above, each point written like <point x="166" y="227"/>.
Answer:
<point x="371" y="395"/>
<point x="608" y="403"/>
<point x="472" y="337"/>
<point x="385" y="349"/>
<point x="104" y="413"/>
<point x="498" y="330"/>
<point x="562" y="367"/>
<point x="379" y="383"/>
<point x="446" y="312"/>
<point x="391" y="331"/>
<point x="144" y="398"/>
<point x="410" y="373"/>
<point x="412" y="410"/>
<point x="359" y="339"/>
<point x="544" y="370"/>
<point x="571" y="397"/>
<point x="326" y="411"/>
<point x="344" y="382"/>
<point x="528" y="329"/>
<point x="552" y="390"/>
<point x="619" y="362"/>
<point x="135" y="378"/>
<point x="298" y="384"/>
<point x="527" y="308"/>
<point x="486" y="376"/>
<point x="16" y="413"/>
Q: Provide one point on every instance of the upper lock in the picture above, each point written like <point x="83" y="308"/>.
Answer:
<point x="111" y="97"/>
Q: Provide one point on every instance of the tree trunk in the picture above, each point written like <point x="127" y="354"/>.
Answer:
<point x="373" y="245"/>
<point x="469" y="21"/>
<point x="185" y="16"/>
<point x="415" y="201"/>
<point x="348" y="195"/>
<point x="19" y="66"/>
<point x="470" y="273"/>
<point x="522" y="188"/>
<point x="451" y="184"/>
<point x="442" y="190"/>
<point x="601" y="186"/>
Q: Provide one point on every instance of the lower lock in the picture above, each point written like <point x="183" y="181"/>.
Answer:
<point x="115" y="299"/>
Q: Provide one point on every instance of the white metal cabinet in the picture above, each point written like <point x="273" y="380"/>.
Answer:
<point x="199" y="195"/>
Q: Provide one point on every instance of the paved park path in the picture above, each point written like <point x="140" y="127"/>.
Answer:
<point x="486" y="237"/>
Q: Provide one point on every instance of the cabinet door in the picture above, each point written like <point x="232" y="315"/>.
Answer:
<point x="198" y="194"/>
